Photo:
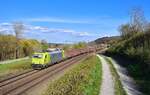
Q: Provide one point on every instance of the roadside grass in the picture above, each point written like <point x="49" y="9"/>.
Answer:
<point x="14" y="67"/>
<point x="118" y="86"/>
<point x="83" y="79"/>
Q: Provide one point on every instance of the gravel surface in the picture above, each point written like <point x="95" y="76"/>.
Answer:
<point x="128" y="83"/>
<point x="107" y="87"/>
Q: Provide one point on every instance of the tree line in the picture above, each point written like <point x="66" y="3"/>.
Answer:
<point x="137" y="24"/>
<point x="135" y="38"/>
<point x="134" y="45"/>
<point x="15" y="46"/>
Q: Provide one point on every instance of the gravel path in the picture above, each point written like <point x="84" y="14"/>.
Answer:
<point x="128" y="83"/>
<point x="107" y="87"/>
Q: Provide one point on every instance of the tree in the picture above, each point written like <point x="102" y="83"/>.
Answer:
<point x="80" y="45"/>
<point x="44" y="44"/>
<point x="125" y="31"/>
<point x="13" y="46"/>
<point x="137" y="24"/>
<point x="137" y="20"/>
<point x="18" y="30"/>
<point x="147" y="29"/>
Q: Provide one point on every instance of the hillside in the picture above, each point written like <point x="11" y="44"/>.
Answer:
<point x="137" y="49"/>
<point x="105" y="40"/>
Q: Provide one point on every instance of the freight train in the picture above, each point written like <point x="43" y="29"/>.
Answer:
<point x="51" y="56"/>
<point x="44" y="59"/>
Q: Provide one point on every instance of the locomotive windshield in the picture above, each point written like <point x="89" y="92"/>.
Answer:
<point x="37" y="56"/>
<point x="53" y="49"/>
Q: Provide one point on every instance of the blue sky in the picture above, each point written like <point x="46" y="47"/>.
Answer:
<point x="68" y="20"/>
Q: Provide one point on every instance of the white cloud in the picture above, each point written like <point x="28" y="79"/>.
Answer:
<point x="58" y="20"/>
<point x="102" y="21"/>
<point x="84" y="34"/>
<point x="5" y="28"/>
<point x="8" y="28"/>
<point x="39" y="28"/>
<point x="67" y="31"/>
<point x="5" y="24"/>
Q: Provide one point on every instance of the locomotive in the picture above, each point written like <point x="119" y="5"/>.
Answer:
<point x="49" y="57"/>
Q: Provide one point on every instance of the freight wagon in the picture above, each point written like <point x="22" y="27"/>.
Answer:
<point x="44" y="59"/>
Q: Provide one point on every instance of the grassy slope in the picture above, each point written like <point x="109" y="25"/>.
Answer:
<point x="83" y="79"/>
<point x="141" y="75"/>
<point x="118" y="86"/>
<point x="137" y="49"/>
<point x="6" y="69"/>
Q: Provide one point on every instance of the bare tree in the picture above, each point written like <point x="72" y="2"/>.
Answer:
<point x="18" y="30"/>
<point x="137" y="24"/>
<point x="137" y="20"/>
<point x="147" y="29"/>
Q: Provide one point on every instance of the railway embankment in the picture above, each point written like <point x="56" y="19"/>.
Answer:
<point x="21" y="84"/>
<point x="83" y="79"/>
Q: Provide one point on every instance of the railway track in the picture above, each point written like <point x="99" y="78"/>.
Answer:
<point x="19" y="84"/>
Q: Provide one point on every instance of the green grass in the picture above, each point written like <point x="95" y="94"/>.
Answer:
<point x="83" y="79"/>
<point x="118" y="86"/>
<point x="18" y="66"/>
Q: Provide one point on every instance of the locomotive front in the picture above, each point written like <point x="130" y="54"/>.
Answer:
<point x="44" y="59"/>
<point x="38" y="60"/>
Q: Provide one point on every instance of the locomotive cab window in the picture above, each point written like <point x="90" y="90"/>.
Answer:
<point x="37" y="56"/>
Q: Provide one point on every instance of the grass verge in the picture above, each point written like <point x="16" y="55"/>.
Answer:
<point x="140" y="73"/>
<point x="6" y="69"/>
<point x="83" y="79"/>
<point x="118" y="86"/>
